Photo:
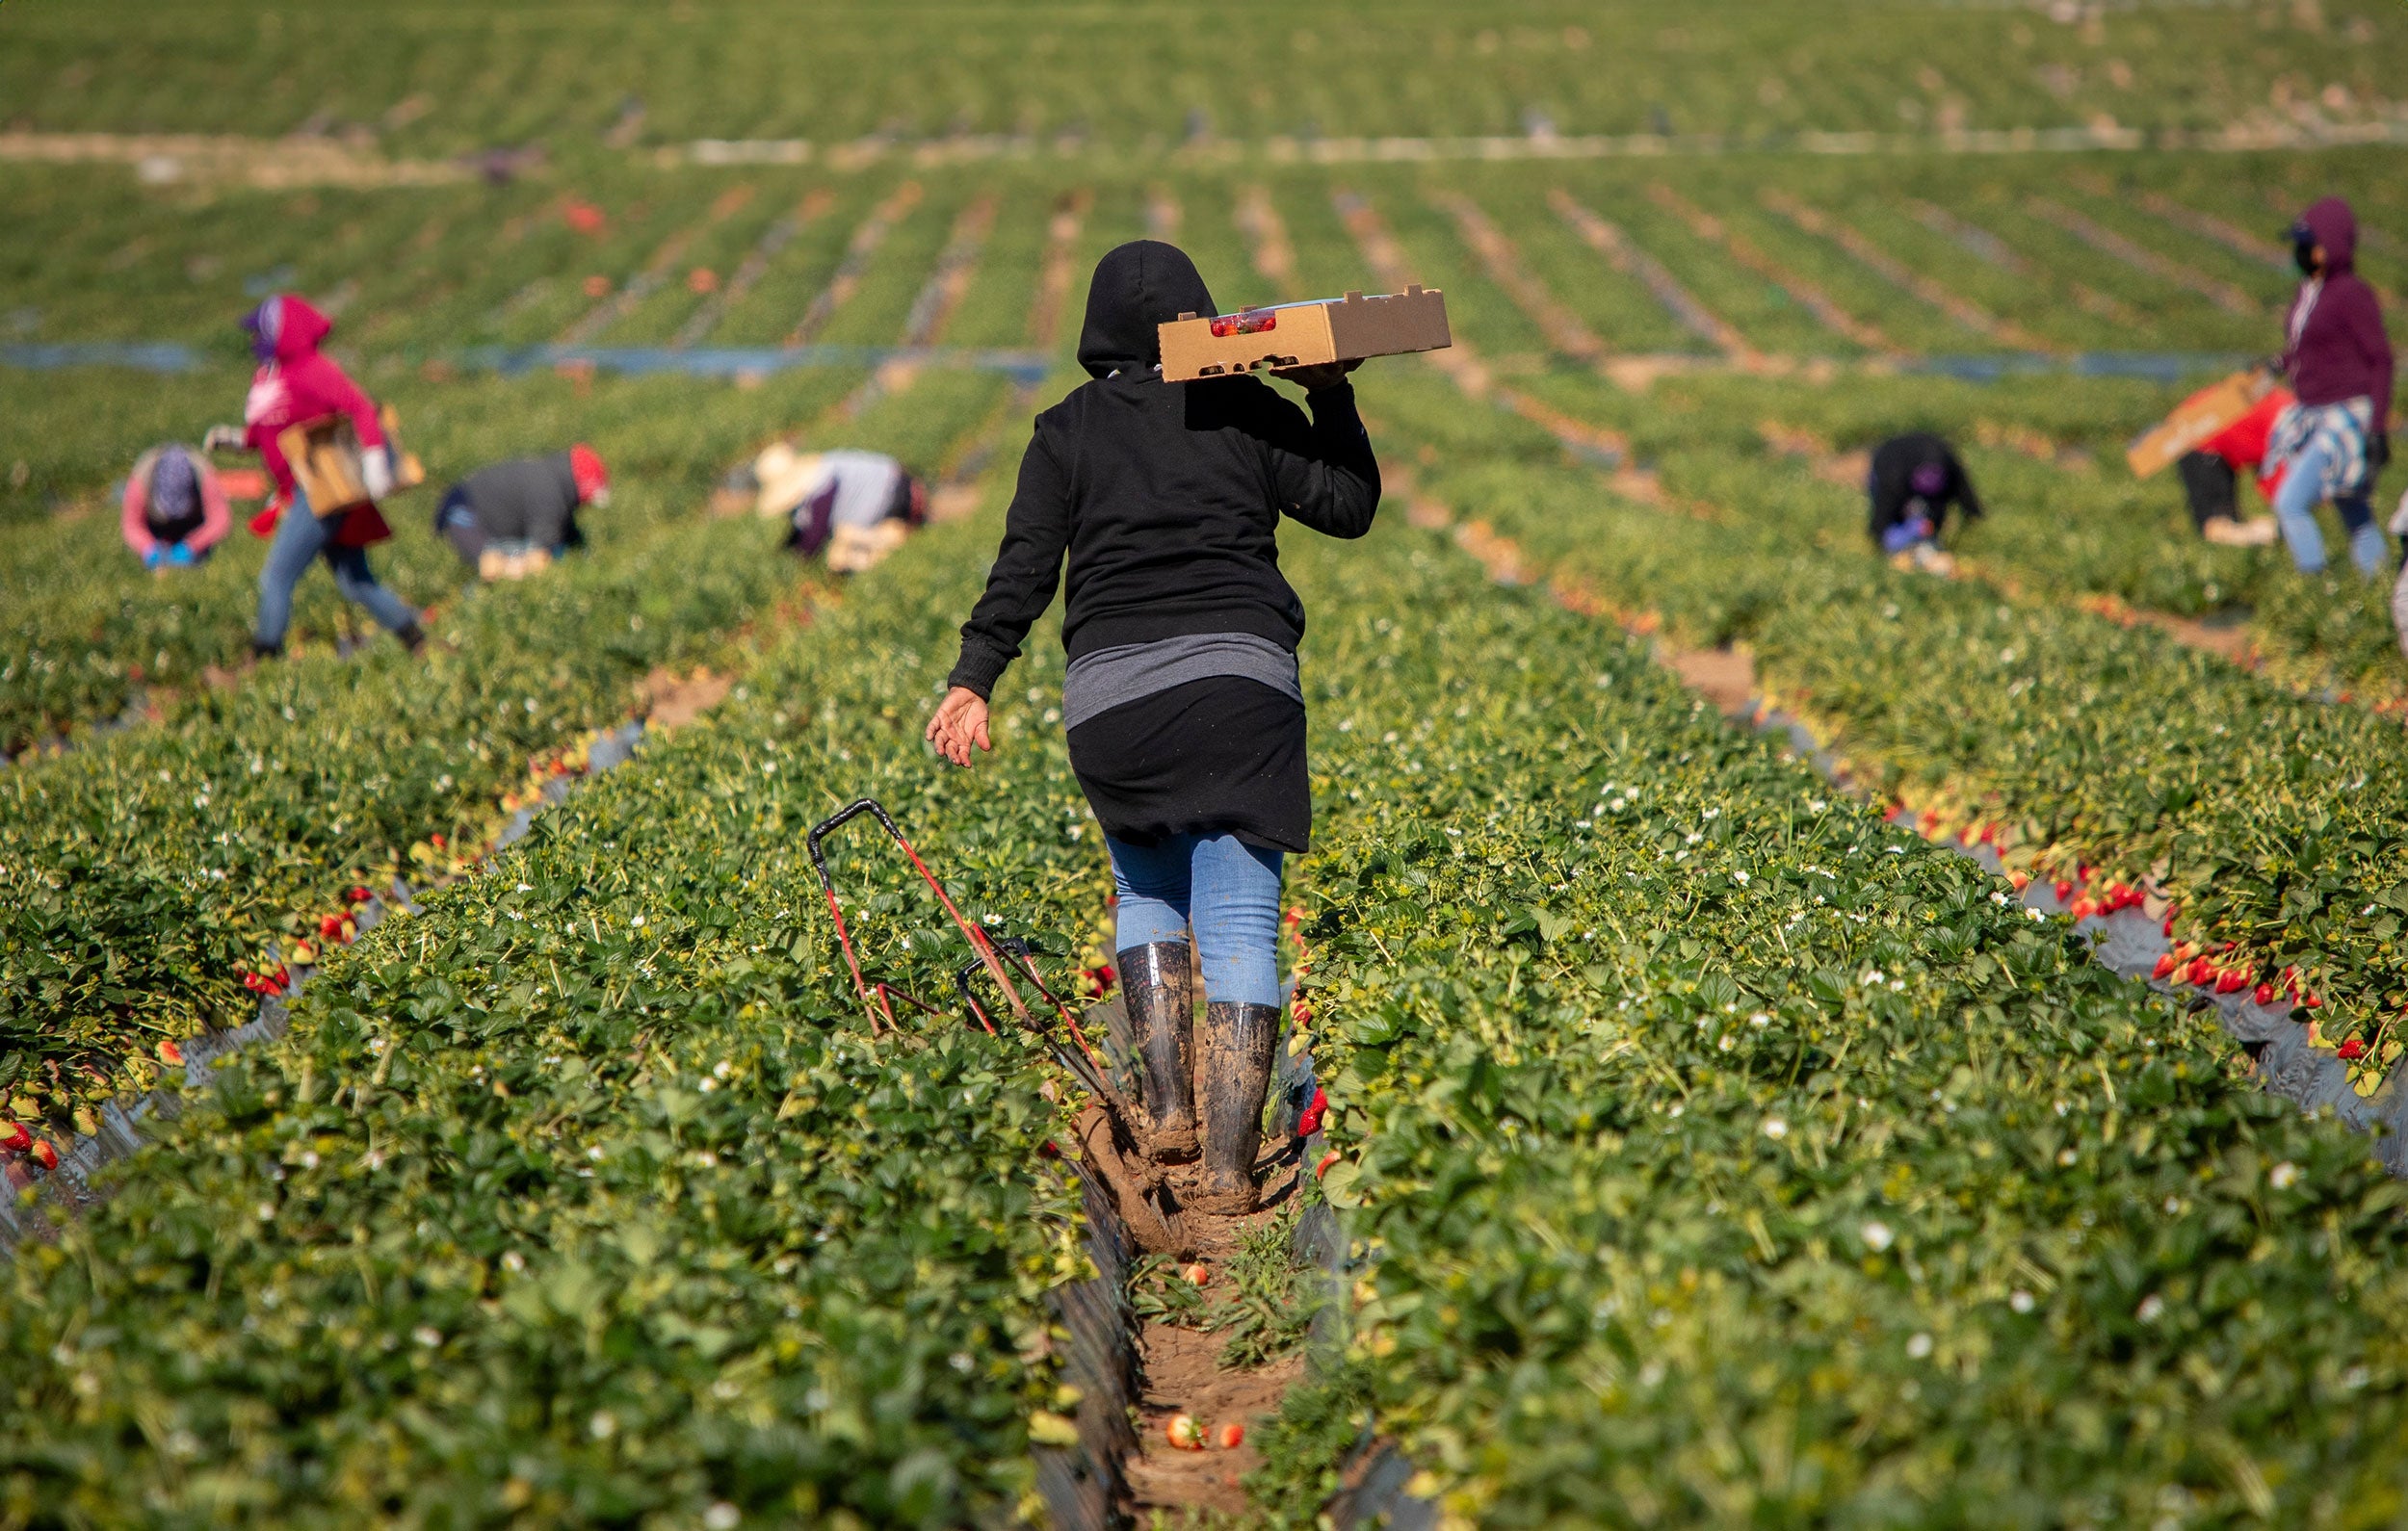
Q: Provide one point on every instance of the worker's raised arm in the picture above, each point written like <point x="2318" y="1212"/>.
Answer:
<point x="1323" y="469"/>
<point x="1027" y="569"/>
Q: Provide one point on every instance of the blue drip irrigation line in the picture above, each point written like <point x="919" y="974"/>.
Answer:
<point x="1027" y="368"/>
<point x="140" y="356"/>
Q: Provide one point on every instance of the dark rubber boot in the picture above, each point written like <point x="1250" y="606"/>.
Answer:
<point x="1233" y="1059"/>
<point x="413" y="637"/>
<point x="260" y="650"/>
<point x="1156" y="993"/>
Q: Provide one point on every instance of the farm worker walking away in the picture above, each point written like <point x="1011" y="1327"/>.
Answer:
<point x="508" y="520"/>
<point x="295" y="383"/>
<point x="2335" y="442"/>
<point x="1183" y="702"/>
<point x="175" y="508"/>
<point x="859" y="505"/>
<point x="2211" y="473"/>
<point x="1915" y="479"/>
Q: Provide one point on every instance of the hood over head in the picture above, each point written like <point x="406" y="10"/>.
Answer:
<point x="285" y="326"/>
<point x="2332" y="225"/>
<point x="1138" y="287"/>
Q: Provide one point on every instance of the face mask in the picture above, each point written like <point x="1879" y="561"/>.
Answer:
<point x="2303" y="252"/>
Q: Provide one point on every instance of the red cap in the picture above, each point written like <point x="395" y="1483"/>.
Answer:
<point x="587" y="470"/>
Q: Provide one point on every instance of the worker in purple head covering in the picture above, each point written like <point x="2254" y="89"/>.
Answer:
<point x="175" y="509"/>
<point x="1915" y="479"/>
<point x="2335" y="441"/>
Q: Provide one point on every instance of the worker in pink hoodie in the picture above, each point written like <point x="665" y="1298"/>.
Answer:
<point x="297" y="383"/>
<point x="175" y="508"/>
<point x="2336" y="440"/>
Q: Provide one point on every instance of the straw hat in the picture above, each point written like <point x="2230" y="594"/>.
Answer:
<point x="787" y="477"/>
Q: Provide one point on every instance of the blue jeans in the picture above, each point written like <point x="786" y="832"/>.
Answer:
<point x="300" y="538"/>
<point x="1230" y="891"/>
<point x="2295" y="510"/>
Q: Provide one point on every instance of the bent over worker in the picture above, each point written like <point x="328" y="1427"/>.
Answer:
<point x="858" y="505"/>
<point x="512" y="519"/>
<point x="1915" y="479"/>
<point x="175" y="508"/>
<point x="1183" y="703"/>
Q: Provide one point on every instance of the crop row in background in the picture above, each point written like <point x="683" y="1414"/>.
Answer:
<point x="1919" y="256"/>
<point x="428" y="80"/>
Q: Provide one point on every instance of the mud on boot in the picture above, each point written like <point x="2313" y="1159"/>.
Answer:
<point x="1234" y="1055"/>
<point x="1155" y="992"/>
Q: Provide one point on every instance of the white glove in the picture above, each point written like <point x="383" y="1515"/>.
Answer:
<point x="376" y="470"/>
<point x="224" y="438"/>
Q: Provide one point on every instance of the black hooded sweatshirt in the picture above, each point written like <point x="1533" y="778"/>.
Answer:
<point x="1892" y="488"/>
<point x="1167" y="497"/>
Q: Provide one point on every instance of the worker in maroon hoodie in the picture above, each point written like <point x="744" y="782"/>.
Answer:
<point x="297" y="383"/>
<point x="2334" y="442"/>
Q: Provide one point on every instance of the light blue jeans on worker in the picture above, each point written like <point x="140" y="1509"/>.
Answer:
<point x="300" y="538"/>
<point x="2295" y="510"/>
<point x="1227" y="890"/>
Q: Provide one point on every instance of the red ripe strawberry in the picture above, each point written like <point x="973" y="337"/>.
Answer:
<point x="45" y="1154"/>
<point x="2232" y="980"/>
<point x="2314" y="1001"/>
<point x="1310" y="1122"/>
<point x="1184" y="1433"/>
<point x="1230" y="1437"/>
<point x="2351" y="1050"/>
<point x="2201" y="970"/>
<point x="356" y="896"/>
<point x="2169" y="924"/>
<point x="2264" y="993"/>
<point x="15" y="1138"/>
<point x="2082" y="870"/>
<point x="1048" y="1149"/>
<point x="331" y="926"/>
<point x="2065" y="889"/>
<point x="2085" y="908"/>
<point x="1322" y="1168"/>
<point x="438" y="842"/>
<point x="170" y="1054"/>
<point x="2165" y="966"/>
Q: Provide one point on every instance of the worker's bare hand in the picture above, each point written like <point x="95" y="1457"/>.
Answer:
<point x="959" y="722"/>
<point x="1322" y="375"/>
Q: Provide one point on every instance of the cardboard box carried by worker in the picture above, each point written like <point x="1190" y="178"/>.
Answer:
<point x="2197" y="419"/>
<point x="1305" y="335"/>
<point x="325" y="455"/>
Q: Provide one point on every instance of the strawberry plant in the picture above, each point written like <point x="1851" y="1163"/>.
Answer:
<point x="1711" y="1141"/>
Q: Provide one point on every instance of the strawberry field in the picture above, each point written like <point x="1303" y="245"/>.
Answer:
<point x="1706" y="1140"/>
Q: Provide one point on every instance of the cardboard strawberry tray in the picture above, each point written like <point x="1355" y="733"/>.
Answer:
<point x="1305" y="335"/>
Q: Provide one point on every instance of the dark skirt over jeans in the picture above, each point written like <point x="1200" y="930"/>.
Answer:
<point x="1211" y="757"/>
